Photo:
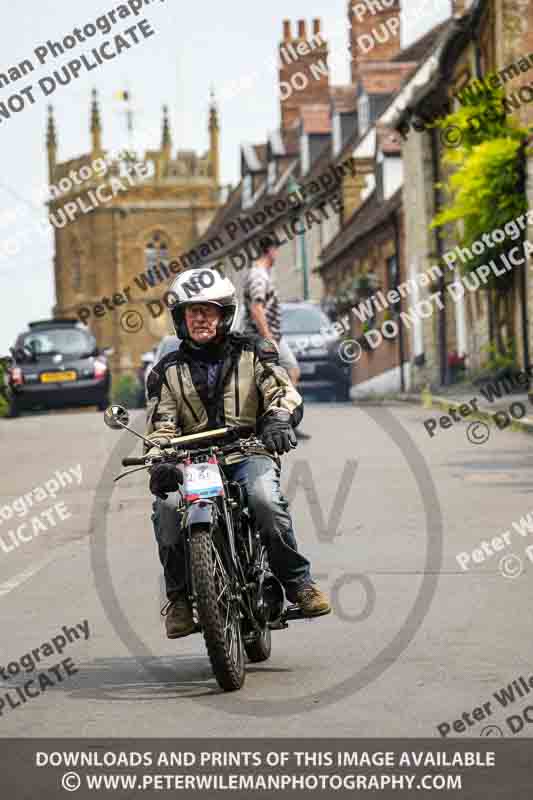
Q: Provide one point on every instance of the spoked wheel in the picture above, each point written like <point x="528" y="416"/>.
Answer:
<point x="259" y="647"/>
<point x="218" y="612"/>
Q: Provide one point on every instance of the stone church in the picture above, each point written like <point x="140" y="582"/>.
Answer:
<point x="107" y="241"/>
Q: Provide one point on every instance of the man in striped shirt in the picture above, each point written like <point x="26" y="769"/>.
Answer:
<point x="263" y="310"/>
<point x="263" y="313"/>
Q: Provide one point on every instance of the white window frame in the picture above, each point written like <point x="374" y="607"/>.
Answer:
<point x="247" y="195"/>
<point x="337" y="133"/>
<point x="272" y="174"/>
<point x="363" y="108"/>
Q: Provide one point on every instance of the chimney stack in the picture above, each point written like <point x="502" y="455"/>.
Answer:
<point x="303" y="70"/>
<point x="374" y="32"/>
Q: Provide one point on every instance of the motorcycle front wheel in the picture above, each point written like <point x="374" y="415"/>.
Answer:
<point x="218" y="611"/>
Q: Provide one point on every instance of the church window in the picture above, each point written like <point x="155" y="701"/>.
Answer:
<point x="156" y="250"/>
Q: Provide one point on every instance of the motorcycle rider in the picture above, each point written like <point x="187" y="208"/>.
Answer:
<point x="218" y="377"/>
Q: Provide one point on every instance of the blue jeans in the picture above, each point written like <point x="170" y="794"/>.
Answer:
<point x="260" y="475"/>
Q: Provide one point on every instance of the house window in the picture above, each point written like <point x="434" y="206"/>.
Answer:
<point x="156" y="251"/>
<point x="364" y="114"/>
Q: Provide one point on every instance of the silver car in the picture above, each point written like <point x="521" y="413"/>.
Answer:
<point x="168" y="344"/>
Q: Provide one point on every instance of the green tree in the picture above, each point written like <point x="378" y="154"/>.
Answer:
<point x="483" y="188"/>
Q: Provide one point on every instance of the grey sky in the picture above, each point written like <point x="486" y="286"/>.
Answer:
<point x="196" y="45"/>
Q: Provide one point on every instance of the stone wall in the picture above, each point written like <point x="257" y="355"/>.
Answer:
<point x="108" y="248"/>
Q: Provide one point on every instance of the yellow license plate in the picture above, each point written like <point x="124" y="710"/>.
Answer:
<point x="58" y="377"/>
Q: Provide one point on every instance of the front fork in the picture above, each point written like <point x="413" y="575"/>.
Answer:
<point x="199" y="513"/>
<point x="206" y="514"/>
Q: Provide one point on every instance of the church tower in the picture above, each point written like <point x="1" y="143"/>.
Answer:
<point x="118" y="216"/>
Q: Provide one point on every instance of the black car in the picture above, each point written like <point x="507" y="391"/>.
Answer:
<point x="309" y="333"/>
<point x="55" y="364"/>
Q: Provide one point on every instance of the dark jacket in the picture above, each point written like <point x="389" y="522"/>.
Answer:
<point x="250" y="383"/>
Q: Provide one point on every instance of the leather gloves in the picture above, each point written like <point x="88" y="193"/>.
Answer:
<point x="277" y="434"/>
<point x="165" y="478"/>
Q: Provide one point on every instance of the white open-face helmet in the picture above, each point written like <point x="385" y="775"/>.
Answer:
<point x="203" y="285"/>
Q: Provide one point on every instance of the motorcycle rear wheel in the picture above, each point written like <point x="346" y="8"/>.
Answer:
<point x="218" y="612"/>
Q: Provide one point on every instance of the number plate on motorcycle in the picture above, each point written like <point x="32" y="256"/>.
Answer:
<point x="202" y="480"/>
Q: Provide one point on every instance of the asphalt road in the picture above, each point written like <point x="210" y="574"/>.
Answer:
<point x="413" y="643"/>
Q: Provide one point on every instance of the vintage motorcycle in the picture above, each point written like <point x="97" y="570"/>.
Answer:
<point x="235" y="598"/>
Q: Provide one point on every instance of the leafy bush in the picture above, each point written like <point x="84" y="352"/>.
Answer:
<point x="125" y="391"/>
<point x="484" y="189"/>
<point x="497" y="360"/>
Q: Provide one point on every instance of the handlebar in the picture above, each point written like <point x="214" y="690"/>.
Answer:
<point x="198" y="441"/>
<point x="133" y="462"/>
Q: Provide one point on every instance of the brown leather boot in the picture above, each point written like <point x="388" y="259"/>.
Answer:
<point x="178" y="618"/>
<point x="312" y="601"/>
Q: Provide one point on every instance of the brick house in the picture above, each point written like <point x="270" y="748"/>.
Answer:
<point x="317" y="123"/>
<point x="484" y="36"/>
<point x="366" y="261"/>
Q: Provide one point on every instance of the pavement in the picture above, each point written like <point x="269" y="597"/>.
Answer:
<point x="381" y="509"/>
<point x="456" y="395"/>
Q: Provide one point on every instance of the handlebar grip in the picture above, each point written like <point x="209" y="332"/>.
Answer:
<point x="133" y="462"/>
